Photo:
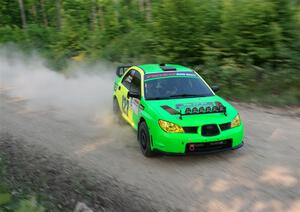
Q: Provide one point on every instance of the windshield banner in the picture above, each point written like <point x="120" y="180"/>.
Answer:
<point x="169" y="73"/>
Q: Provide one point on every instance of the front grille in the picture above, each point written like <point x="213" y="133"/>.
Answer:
<point x="225" y="126"/>
<point x="210" y="130"/>
<point x="190" y="129"/>
<point x="208" y="146"/>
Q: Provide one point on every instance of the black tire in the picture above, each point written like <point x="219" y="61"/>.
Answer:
<point x="117" y="112"/>
<point x="144" y="140"/>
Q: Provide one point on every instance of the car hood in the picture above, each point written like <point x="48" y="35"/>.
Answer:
<point x="170" y="109"/>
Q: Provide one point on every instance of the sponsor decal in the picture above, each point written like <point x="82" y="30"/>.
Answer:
<point x="195" y="104"/>
<point x="125" y="105"/>
<point x="135" y="105"/>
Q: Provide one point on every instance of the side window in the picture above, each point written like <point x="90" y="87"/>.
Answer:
<point x="136" y="83"/>
<point x="132" y="81"/>
<point x="127" y="80"/>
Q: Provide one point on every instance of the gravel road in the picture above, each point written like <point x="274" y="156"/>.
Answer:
<point x="264" y="175"/>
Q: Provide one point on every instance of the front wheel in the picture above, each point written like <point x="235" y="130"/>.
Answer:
<point x="144" y="140"/>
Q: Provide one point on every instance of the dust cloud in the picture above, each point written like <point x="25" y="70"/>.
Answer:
<point x="85" y="91"/>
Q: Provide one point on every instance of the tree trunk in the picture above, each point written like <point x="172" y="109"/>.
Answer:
<point x="58" y="14"/>
<point x="94" y="18"/>
<point x="34" y="13"/>
<point x="45" y="19"/>
<point x="101" y="17"/>
<point x="22" y="12"/>
<point x="142" y="5"/>
<point x="148" y="6"/>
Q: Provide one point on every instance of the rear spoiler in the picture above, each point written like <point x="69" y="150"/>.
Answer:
<point x="122" y="69"/>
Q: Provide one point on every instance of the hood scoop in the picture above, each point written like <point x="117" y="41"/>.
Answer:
<point x="170" y="110"/>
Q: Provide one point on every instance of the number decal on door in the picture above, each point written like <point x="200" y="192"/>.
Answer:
<point x="125" y="105"/>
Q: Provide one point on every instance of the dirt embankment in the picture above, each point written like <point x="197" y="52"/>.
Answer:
<point x="60" y="183"/>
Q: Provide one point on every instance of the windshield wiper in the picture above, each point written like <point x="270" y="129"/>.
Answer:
<point x="186" y="95"/>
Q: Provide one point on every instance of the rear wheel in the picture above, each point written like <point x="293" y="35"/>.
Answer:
<point x="144" y="140"/>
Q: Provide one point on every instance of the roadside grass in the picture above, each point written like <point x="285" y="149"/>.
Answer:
<point x="11" y="200"/>
<point x="261" y="98"/>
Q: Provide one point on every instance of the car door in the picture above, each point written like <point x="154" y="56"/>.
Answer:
<point x="131" y="81"/>
<point x="134" y="103"/>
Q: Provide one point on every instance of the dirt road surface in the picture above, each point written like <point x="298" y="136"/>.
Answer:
<point x="264" y="175"/>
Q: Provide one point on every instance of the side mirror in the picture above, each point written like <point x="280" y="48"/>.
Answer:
<point x="120" y="71"/>
<point x="215" y="88"/>
<point x="133" y="94"/>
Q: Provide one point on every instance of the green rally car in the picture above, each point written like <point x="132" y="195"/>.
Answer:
<point x="174" y="110"/>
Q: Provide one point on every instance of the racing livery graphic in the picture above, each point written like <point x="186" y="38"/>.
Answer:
<point x="175" y="111"/>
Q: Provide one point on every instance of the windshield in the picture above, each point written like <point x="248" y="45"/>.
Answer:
<point x="176" y="87"/>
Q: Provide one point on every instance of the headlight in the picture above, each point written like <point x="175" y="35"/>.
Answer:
<point x="236" y="121"/>
<point x="170" y="127"/>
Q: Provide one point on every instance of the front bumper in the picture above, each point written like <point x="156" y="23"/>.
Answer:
<point x="177" y="142"/>
<point x="202" y="152"/>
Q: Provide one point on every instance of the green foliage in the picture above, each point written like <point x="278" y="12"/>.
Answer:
<point x="250" y="47"/>
<point x="4" y="198"/>
<point x="30" y="206"/>
<point x="9" y="201"/>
